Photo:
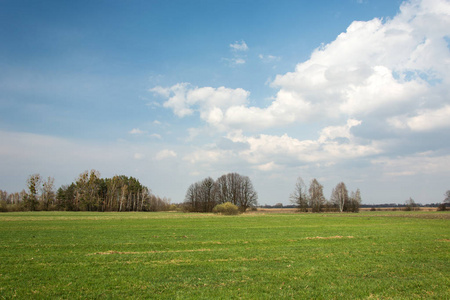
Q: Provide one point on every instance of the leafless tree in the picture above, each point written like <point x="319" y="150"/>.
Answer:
<point x="354" y="201"/>
<point x="48" y="193"/>
<point x="410" y="204"/>
<point x="316" y="197"/>
<point x="299" y="196"/>
<point x="204" y="195"/>
<point x="248" y="196"/>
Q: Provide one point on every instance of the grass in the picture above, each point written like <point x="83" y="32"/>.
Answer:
<point x="370" y="255"/>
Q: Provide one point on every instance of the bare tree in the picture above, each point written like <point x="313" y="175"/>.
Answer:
<point x="201" y="196"/>
<point x="410" y="204"/>
<point x="354" y="201"/>
<point x="48" y="193"/>
<point x="204" y="195"/>
<point x="316" y="197"/>
<point x="339" y="197"/>
<point x="248" y="197"/>
<point x="299" y="196"/>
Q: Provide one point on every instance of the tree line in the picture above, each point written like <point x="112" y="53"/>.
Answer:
<point x="313" y="199"/>
<point x="89" y="192"/>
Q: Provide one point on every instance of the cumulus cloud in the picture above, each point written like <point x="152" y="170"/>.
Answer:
<point x="378" y="73"/>
<point x="425" y="120"/>
<point x="270" y="152"/>
<point x="334" y="143"/>
<point x="377" y="67"/>
<point x="211" y="103"/>
<point x="177" y="101"/>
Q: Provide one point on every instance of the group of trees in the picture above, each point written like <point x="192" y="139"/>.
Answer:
<point x="204" y="195"/>
<point x="89" y="192"/>
<point x="313" y="198"/>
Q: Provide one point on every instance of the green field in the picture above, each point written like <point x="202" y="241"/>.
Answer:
<point x="370" y="255"/>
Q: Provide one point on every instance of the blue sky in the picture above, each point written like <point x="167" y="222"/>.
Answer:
<point x="172" y="92"/>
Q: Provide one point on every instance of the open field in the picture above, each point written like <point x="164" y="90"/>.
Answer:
<point x="370" y="255"/>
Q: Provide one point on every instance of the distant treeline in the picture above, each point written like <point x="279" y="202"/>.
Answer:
<point x="88" y="193"/>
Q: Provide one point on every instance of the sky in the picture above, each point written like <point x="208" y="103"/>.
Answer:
<point x="172" y="92"/>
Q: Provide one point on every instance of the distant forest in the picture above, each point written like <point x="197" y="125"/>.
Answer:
<point x="88" y="193"/>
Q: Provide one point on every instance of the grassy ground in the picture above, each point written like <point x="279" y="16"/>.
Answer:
<point x="370" y="255"/>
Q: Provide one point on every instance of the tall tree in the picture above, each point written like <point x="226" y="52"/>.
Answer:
<point x="31" y="200"/>
<point x="248" y="197"/>
<point x="299" y="196"/>
<point x="316" y="197"/>
<point x="87" y="190"/>
<point x="339" y="197"/>
<point x="48" y="193"/>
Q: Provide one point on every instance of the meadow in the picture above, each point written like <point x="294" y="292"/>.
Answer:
<point x="369" y="255"/>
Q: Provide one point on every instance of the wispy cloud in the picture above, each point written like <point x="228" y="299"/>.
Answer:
<point x="136" y="131"/>
<point x="156" y="136"/>
<point x="239" y="46"/>
<point x="165" y="154"/>
<point x="269" y="58"/>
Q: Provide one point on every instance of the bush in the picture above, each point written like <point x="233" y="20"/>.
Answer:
<point x="226" y="208"/>
<point x="442" y="207"/>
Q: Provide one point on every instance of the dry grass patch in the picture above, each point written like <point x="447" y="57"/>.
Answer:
<point x="329" y="237"/>
<point x="147" y="252"/>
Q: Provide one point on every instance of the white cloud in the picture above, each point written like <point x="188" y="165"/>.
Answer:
<point x="136" y="131"/>
<point x="156" y="136"/>
<point x="333" y="132"/>
<point x="177" y="101"/>
<point x="268" y="167"/>
<point x="164" y="154"/>
<point x="375" y="67"/>
<point x="236" y="61"/>
<point x="269" y="58"/>
<point x="239" y="46"/>
<point x="335" y="143"/>
<point x="203" y="156"/>
<point x="378" y="68"/>
<point x="211" y="103"/>
<point x="271" y="153"/>
<point x="425" y="120"/>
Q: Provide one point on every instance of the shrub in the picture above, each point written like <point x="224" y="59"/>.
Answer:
<point x="442" y="207"/>
<point x="226" y="208"/>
